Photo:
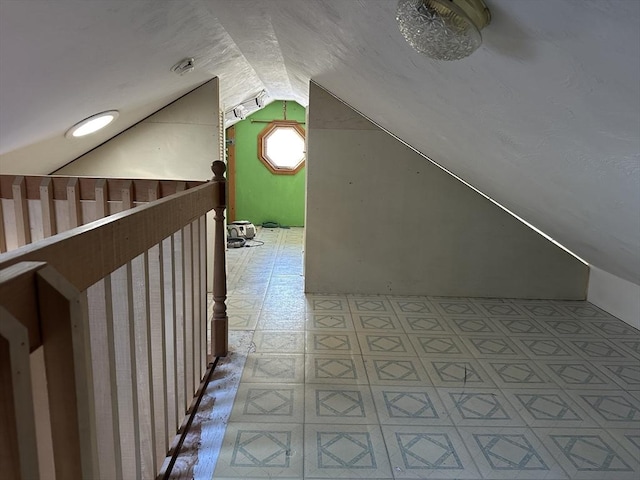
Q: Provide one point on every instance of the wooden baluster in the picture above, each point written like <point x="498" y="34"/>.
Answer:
<point x="65" y="337"/>
<point x="219" y="322"/>
<point x="127" y="196"/>
<point x="3" y="237"/>
<point x="153" y="192"/>
<point x="157" y="348"/>
<point x="102" y="198"/>
<point x="73" y="200"/>
<point x="195" y="269"/>
<point x="204" y="351"/>
<point x="167" y="262"/>
<point x="21" y="208"/>
<point x="48" y="210"/>
<point x="179" y="321"/>
<point x="18" y="449"/>
<point x="187" y="325"/>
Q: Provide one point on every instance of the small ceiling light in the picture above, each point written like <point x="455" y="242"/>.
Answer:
<point x="443" y="29"/>
<point x="92" y="124"/>
<point x="240" y="112"/>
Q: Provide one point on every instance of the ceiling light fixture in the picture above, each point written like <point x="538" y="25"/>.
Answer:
<point x="443" y="29"/>
<point x="92" y="124"/>
<point x="246" y="108"/>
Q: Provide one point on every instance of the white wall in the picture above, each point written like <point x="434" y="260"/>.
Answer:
<point x="382" y="219"/>
<point x="615" y="295"/>
<point x="179" y="141"/>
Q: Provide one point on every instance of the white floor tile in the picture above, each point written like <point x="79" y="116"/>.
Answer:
<point x="400" y="405"/>
<point x="510" y="453"/>
<point x="589" y="454"/>
<point x="428" y="452"/>
<point x="339" y="404"/>
<point x="385" y="370"/>
<point x="273" y="368"/>
<point x="265" y="403"/>
<point x="345" y="451"/>
<point x="265" y="450"/>
<point x="334" y="342"/>
<point x="335" y="369"/>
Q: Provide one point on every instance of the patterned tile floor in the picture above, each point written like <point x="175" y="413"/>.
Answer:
<point x="385" y="387"/>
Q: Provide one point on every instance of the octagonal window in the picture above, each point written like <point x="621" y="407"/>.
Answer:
<point x="281" y="147"/>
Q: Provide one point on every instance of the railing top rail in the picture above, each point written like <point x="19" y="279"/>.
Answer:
<point x="88" y="253"/>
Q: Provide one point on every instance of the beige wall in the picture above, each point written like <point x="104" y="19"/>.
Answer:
<point x="178" y="142"/>
<point x="383" y="219"/>
<point x="615" y="295"/>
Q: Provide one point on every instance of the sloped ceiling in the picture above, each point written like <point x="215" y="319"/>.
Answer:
<point x="544" y="117"/>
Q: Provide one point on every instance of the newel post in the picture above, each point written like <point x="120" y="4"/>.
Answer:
<point x="219" y="322"/>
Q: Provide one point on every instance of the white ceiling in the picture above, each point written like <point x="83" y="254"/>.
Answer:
<point x="544" y="117"/>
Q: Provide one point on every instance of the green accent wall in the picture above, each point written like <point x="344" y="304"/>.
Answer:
<point x="262" y="196"/>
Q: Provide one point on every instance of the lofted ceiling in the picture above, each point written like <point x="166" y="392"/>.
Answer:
<point x="544" y="117"/>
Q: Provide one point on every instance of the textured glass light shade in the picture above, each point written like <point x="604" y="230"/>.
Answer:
<point x="440" y="29"/>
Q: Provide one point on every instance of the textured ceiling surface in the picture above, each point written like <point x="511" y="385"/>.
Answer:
<point x="544" y="117"/>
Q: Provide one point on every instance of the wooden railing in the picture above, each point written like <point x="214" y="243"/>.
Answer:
<point x="36" y="207"/>
<point x="103" y="339"/>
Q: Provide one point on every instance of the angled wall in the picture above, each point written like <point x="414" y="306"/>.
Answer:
<point x="381" y="219"/>
<point x="177" y="142"/>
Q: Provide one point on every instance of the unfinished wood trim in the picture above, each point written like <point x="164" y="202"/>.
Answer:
<point x="65" y="333"/>
<point x="100" y="322"/>
<point x="73" y="203"/>
<point x="156" y="351"/>
<point x="204" y="302"/>
<point x="113" y="376"/>
<point x="220" y="321"/>
<point x="153" y="191"/>
<point x="169" y="328"/>
<point x="41" y="411"/>
<point x="102" y="198"/>
<point x="21" y="207"/>
<point x="141" y="367"/>
<point x="262" y="137"/>
<point x="231" y="169"/>
<point x="18" y="445"/>
<point x="87" y="187"/>
<point x="88" y="254"/>
<point x="127" y="196"/>
<point x="3" y="235"/>
<point x="49" y="227"/>
<point x="181" y="186"/>
<point x="125" y="371"/>
<point x="18" y="291"/>
<point x="179" y="339"/>
<point x="195" y="269"/>
<point x="187" y="262"/>
<point x="150" y="345"/>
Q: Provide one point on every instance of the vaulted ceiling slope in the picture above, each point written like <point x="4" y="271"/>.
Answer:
<point x="544" y="117"/>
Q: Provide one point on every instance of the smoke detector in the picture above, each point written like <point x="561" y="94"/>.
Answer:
<point x="186" y="65"/>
